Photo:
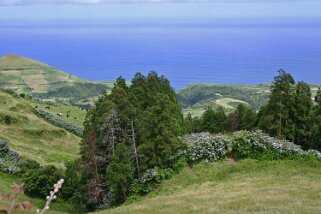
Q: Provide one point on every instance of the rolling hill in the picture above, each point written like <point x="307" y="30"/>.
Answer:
<point x="196" y="98"/>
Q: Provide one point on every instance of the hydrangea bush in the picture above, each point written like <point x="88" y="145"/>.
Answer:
<point x="203" y="146"/>
<point x="10" y="161"/>
<point x="60" y="122"/>
<point x="258" y="145"/>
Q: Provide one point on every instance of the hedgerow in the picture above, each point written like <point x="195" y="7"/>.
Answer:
<point x="258" y="145"/>
<point x="60" y="122"/>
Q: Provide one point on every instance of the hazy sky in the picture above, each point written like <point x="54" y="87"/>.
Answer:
<point x="99" y="10"/>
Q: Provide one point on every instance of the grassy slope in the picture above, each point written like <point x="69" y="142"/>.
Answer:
<point x="76" y="115"/>
<point x="33" y="137"/>
<point x="248" y="186"/>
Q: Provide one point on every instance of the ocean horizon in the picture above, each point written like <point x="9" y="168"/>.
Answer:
<point x="247" y="51"/>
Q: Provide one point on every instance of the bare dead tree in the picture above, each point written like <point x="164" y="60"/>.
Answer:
<point x="134" y="148"/>
<point x="111" y="132"/>
<point x="95" y="191"/>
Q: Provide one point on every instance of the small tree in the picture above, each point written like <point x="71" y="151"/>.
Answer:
<point x="208" y="118"/>
<point x="120" y="171"/>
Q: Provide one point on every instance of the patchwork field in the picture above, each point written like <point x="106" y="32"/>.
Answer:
<point x="224" y="102"/>
<point x="44" y="82"/>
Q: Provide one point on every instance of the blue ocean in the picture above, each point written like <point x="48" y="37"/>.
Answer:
<point x="185" y="51"/>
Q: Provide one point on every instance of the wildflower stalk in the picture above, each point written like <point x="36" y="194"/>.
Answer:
<point x="51" y="197"/>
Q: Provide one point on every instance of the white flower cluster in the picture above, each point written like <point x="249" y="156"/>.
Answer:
<point x="260" y="141"/>
<point x="203" y="146"/>
<point x="10" y="161"/>
<point x="52" y="196"/>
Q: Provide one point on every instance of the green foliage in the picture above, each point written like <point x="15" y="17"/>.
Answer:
<point x="120" y="171"/>
<point x="278" y="114"/>
<point x="72" y="184"/>
<point x="39" y="182"/>
<point x="152" y="178"/>
<point x="316" y="123"/>
<point x="302" y="117"/>
<point x="243" y="118"/>
<point x="214" y="121"/>
<point x="188" y="124"/>
<point x="258" y="145"/>
<point x="7" y="119"/>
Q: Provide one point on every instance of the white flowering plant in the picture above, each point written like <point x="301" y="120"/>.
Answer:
<point x="258" y="145"/>
<point x="203" y="146"/>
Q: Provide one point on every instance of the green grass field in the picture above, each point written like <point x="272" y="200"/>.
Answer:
<point x="31" y="136"/>
<point x="248" y="186"/>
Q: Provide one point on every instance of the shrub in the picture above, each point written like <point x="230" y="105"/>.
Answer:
<point x="149" y="181"/>
<point x="7" y="119"/>
<point x="38" y="182"/>
<point x="145" y="184"/>
<point x="9" y="160"/>
<point x="258" y="145"/>
<point x="59" y="122"/>
<point x="10" y="91"/>
<point x="203" y="146"/>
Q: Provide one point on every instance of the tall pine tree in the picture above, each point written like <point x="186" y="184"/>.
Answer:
<point x="280" y="110"/>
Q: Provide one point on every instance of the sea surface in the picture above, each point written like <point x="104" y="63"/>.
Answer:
<point x="185" y="51"/>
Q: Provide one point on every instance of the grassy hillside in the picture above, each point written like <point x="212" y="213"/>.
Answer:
<point x="29" y="76"/>
<point x="31" y="136"/>
<point x="197" y="97"/>
<point x="248" y="186"/>
<point x="76" y="114"/>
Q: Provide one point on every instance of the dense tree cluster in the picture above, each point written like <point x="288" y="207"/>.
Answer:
<point x="289" y="114"/>
<point x="131" y="129"/>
